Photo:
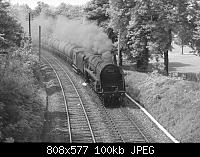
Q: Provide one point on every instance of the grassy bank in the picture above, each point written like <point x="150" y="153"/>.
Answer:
<point x="174" y="103"/>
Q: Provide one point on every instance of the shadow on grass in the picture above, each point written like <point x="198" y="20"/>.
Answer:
<point x="55" y="129"/>
<point x="50" y="131"/>
<point x="174" y="65"/>
<point x="53" y="89"/>
<point x="133" y="67"/>
<point x="130" y="67"/>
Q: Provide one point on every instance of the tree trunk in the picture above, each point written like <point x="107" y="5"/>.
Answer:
<point x="30" y="28"/>
<point x="119" y="49"/>
<point x="166" y="62"/>
<point x="182" y="48"/>
<point x="166" y="59"/>
<point x="120" y="57"/>
<point x="143" y="61"/>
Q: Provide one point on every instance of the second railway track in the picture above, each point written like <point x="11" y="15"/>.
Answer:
<point x="76" y="121"/>
<point x="128" y="129"/>
<point x="122" y="125"/>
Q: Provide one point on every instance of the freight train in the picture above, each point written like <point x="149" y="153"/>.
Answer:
<point x="106" y="78"/>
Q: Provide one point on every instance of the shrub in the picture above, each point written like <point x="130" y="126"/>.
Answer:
<point x="20" y="106"/>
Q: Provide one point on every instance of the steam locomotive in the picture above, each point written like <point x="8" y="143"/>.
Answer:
<point x="106" y="78"/>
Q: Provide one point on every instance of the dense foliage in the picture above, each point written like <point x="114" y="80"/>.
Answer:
<point x="96" y="10"/>
<point x="10" y="30"/>
<point x="21" y="111"/>
<point x="148" y="27"/>
<point x="63" y="9"/>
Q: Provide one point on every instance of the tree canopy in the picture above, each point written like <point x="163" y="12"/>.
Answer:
<point x="148" y="27"/>
<point x="10" y="29"/>
<point x="96" y="10"/>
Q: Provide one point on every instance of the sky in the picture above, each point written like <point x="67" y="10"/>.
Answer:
<point x="33" y="3"/>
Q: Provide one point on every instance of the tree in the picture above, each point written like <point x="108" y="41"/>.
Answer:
<point x="173" y="18"/>
<point x="119" y="13"/>
<point x="41" y="6"/>
<point x="69" y="11"/>
<point x="10" y="35"/>
<point x="139" y="33"/>
<point x="10" y="30"/>
<point x="194" y="7"/>
<point x="184" y="31"/>
<point x="152" y="26"/>
<point x="96" y="10"/>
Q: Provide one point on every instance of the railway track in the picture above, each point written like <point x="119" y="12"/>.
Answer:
<point x="122" y="126"/>
<point x="76" y="122"/>
<point x="173" y="139"/>
<point x="128" y="128"/>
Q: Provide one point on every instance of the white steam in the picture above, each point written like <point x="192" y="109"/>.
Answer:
<point x="87" y="35"/>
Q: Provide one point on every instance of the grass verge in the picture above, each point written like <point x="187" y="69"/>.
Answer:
<point x="175" y="103"/>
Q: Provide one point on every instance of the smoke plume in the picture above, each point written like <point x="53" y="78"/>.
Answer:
<point x="85" y="34"/>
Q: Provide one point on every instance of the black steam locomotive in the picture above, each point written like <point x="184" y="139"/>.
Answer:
<point x="106" y="78"/>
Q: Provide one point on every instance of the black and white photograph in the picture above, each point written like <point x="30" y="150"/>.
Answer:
<point x="100" y="71"/>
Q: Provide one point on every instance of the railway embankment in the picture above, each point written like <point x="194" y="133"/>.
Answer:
<point x="173" y="102"/>
<point x="21" y="99"/>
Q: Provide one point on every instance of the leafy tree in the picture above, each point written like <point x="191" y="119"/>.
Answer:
<point x="41" y="6"/>
<point x="20" y="107"/>
<point x="139" y="33"/>
<point x="119" y="12"/>
<point x="10" y="30"/>
<point x="96" y="10"/>
<point x="185" y="22"/>
<point x="194" y="8"/>
<point x="152" y="27"/>
<point x="69" y="11"/>
<point x="172" y="18"/>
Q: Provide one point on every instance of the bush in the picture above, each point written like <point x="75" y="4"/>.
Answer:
<point x="20" y="106"/>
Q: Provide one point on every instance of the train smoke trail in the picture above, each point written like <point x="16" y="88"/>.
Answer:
<point x="87" y="35"/>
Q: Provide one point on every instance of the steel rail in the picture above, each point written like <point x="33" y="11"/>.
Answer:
<point x="131" y="120"/>
<point x="85" y="113"/>
<point x="64" y="97"/>
<point x="153" y="119"/>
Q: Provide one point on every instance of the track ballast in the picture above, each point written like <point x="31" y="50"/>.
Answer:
<point x="76" y="123"/>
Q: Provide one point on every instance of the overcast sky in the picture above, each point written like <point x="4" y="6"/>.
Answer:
<point x="33" y="3"/>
